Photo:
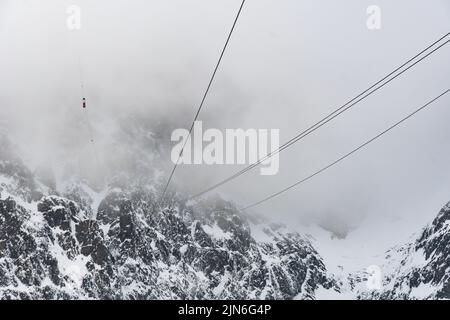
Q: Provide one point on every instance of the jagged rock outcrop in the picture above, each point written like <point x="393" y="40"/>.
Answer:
<point x="420" y="269"/>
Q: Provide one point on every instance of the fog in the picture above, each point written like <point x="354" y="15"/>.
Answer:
<point x="289" y="63"/>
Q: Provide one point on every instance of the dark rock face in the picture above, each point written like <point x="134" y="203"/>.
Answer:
<point x="59" y="212"/>
<point x="90" y="239"/>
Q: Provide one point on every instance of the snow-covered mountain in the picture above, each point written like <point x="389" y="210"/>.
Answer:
<point x="74" y="241"/>
<point x="52" y="247"/>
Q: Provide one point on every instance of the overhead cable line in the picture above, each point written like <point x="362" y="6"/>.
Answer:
<point x="203" y="100"/>
<point x="360" y="97"/>
<point x="346" y="155"/>
<point x="87" y="120"/>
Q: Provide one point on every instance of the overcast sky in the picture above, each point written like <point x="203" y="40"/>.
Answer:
<point x="289" y="63"/>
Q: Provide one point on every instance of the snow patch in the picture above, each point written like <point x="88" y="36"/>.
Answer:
<point x="216" y="232"/>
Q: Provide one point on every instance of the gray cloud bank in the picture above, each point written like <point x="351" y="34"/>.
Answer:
<point x="289" y="64"/>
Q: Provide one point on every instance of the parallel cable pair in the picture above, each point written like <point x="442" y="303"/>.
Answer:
<point x="337" y="112"/>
